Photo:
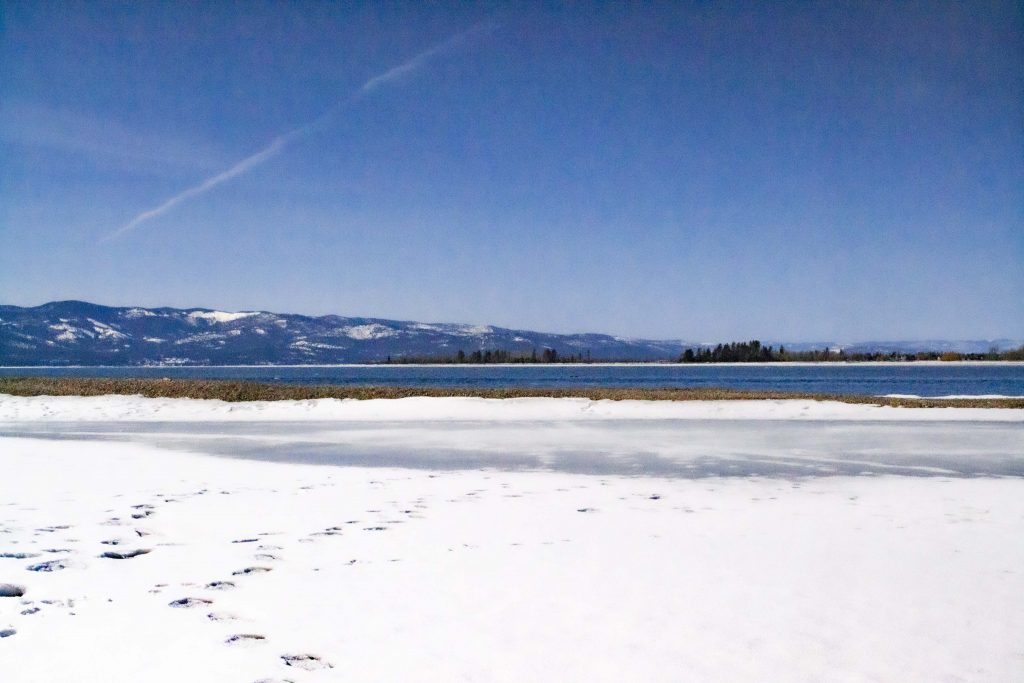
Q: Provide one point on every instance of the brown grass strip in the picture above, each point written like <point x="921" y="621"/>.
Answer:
<point x="262" y="391"/>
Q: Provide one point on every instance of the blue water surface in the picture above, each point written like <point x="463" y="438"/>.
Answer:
<point x="891" y="378"/>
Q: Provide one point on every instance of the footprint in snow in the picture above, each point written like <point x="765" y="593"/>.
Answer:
<point x="51" y="566"/>
<point x="220" y="585"/>
<point x="245" y="639"/>
<point x="11" y="590"/>
<point x="221" y="616"/>
<point x="306" y="662"/>
<point x="189" y="602"/>
<point x="124" y="555"/>
<point x="19" y="556"/>
<point x="251" y="570"/>
<point x="7" y="632"/>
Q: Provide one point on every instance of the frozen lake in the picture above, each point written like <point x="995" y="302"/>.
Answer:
<point x="468" y="539"/>
<point x="666" y="448"/>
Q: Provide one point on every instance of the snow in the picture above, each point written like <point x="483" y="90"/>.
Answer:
<point x="952" y="396"/>
<point x="474" y="330"/>
<point x="305" y="344"/>
<point x="70" y="333"/>
<point x="369" y="331"/>
<point x="220" y="316"/>
<point x="202" y="337"/>
<point x="134" y="313"/>
<point x="106" y="331"/>
<point x="154" y="340"/>
<point x="475" y="409"/>
<point x="500" y="567"/>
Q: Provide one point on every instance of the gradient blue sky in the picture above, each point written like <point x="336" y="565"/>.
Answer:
<point x="707" y="171"/>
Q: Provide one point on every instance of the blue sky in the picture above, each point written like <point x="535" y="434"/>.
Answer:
<point x="707" y="171"/>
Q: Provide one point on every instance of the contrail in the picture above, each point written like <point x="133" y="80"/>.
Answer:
<point x="280" y="142"/>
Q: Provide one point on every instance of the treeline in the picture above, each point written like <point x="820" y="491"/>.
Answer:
<point x="755" y="352"/>
<point x="492" y="356"/>
<point x="733" y="352"/>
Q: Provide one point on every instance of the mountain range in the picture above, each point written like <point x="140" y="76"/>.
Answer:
<point x="81" y="333"/>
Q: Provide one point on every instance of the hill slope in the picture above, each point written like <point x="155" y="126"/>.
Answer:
<point x="79" y="333"/>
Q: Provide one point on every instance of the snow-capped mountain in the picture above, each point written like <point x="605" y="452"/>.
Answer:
<point x="79" y="333"/>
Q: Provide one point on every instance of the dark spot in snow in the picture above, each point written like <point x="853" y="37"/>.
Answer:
<point x="11" y="590"/>
<point x="220" y="585"/>
<point x="246" y="540"/>
<point x="7" y="632"/>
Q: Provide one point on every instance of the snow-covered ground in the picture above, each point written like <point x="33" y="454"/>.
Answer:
<point x="535" y="539"/>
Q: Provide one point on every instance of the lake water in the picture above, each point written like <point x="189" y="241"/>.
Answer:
<point x="922" y="379"/>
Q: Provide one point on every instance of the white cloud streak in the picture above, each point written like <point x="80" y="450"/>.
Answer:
<point x="278" y="144"/>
